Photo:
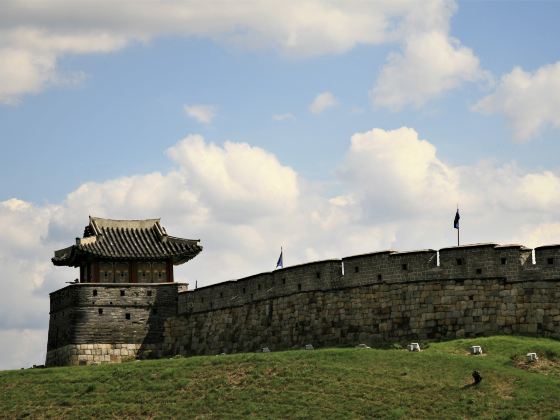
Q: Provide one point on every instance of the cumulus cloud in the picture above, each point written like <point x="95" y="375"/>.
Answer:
<point x="236" y="180"/>
<point x="33" y="36"/>
<point x="202" y="113"/>
<point x="28" y="56"/>
<point x="411" y="177"/>
<point x="431" y="64"/>
<point x="22" y="71"/>
<point x="530" y="101"/>
<point x="24" y="269"/>
<point x="391" y="190"/>
<point x="395" y="180"/>
<point x="322" y="102"/>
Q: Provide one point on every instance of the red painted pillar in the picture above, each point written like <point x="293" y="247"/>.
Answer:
<point x="169" y="271"/>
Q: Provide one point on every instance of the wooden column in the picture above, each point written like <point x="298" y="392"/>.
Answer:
<point x="169" y="270"/>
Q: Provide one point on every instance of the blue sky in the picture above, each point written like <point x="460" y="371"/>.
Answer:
<point x="130" y="103"/>
<point x="203" y="114"/>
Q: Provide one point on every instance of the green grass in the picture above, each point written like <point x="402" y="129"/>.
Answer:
<point x="328" y="383"/>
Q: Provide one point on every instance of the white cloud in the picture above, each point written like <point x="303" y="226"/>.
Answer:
<point x="28" y="57"/>
<point x="431" y="64"/>
<point x="24" y="272"/>
<point x="22" y="348"/>
<point x="202" y="113"/>
<point x="407" y="176"/>
<point x="283" y="117"/>
<point x="392" y="191"/>
<point x="22" y="71"/>
<point x="530" y="101"/>
<point x="543" y="233"/>
<point x="35" y="35"/>
<point x="236" y="180"/>
<point x="322" y="102"/>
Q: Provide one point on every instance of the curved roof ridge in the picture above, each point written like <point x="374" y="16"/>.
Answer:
<point x="101" y="222"/>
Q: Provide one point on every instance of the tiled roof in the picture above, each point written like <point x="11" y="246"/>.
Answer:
<point x="127" y="239"/>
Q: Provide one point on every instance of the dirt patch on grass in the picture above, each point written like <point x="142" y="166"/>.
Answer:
<point x="504" y="388"/>
<point x="543" y="366"/>
<point x="271" y="371"/>
<point x="238" y="376"/>
<point x="468" y="353"/>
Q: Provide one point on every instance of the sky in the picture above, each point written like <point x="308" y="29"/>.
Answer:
<point x="329" y="128"/>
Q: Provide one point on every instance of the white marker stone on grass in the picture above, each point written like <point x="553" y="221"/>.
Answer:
<point x="413" y="347"/>
<point x="532" y="357"/>
<point x="309" y="347"/>
<point x="476" y="350"/>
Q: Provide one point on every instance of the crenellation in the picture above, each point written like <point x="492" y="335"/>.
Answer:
<point x="547" y="259"/>
<point x="311" y="276"/>
<point x="373" y="267"/>
<point x="411" y="266"/>
<point x="470" y="261"/>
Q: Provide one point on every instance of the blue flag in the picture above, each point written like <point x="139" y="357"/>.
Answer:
<point x="280" y="262"/>
<point x="456" y="221"/>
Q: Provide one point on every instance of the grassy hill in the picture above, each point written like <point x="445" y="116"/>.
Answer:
<point x="341" y="383"/>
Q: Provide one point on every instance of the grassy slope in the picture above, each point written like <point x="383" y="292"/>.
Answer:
<point x="296" y="384"/>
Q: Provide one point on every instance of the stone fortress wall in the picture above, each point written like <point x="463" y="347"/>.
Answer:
<point x="375" y="298"/>
<point x="372" y="298"/>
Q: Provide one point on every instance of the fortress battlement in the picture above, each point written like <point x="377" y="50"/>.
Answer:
<point x="127" y="305"/>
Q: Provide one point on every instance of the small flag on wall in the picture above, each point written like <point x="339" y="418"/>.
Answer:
<point x="456" y="224"/>
<point x="280" y="262"/>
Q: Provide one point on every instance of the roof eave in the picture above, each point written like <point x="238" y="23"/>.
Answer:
<point x="65" y="263"/>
